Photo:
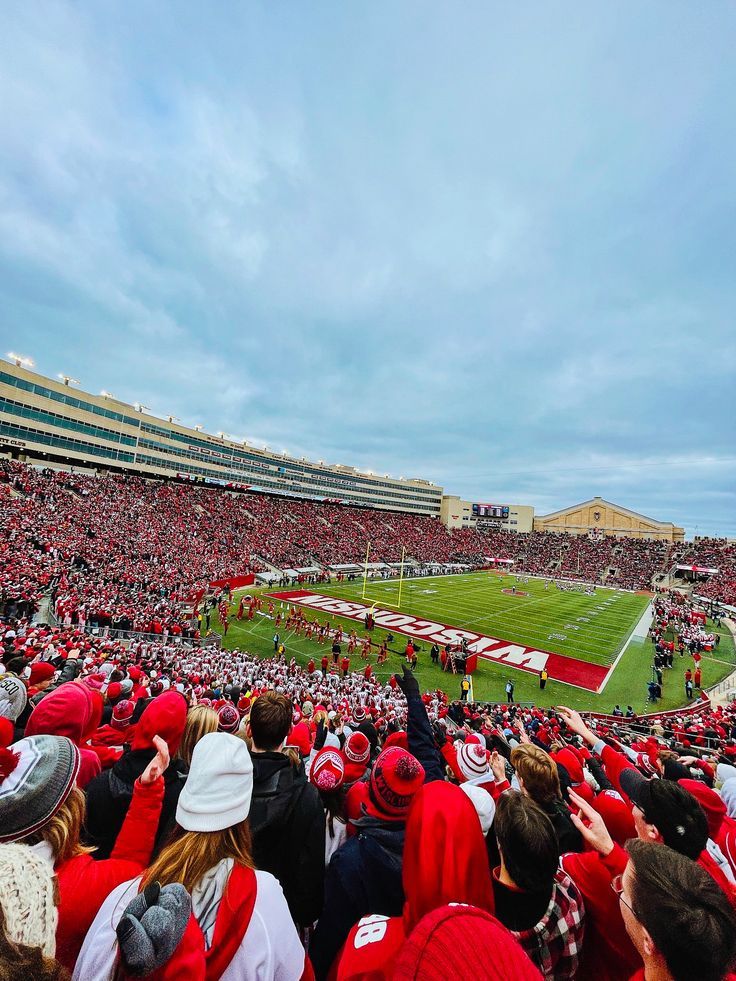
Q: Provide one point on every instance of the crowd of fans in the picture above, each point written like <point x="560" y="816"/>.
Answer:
<point x="174" y="812"/>
<point x="124" y="551"/>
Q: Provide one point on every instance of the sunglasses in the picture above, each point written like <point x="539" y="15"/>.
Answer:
<point x="617" y="884"/>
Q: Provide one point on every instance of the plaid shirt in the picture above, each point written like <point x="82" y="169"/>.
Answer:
<point x="554" y="944"/>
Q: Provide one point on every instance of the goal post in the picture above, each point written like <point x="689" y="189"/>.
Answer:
<point x="401" y="573"/>
<point x="365" y="569"/>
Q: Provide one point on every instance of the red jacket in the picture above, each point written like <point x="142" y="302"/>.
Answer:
<point x="608" y="953"/>
<point x="84" y="884"/>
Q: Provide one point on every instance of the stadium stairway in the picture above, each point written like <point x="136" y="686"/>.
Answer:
<point x="269" y="565"/>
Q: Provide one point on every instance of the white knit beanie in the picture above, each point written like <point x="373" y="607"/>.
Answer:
<point x="218" y="790"/>
<point x="13" y="697"/>
<point x="27" y="898"/>
<point x="484" y="804"/>
<point x="473" y="761"/>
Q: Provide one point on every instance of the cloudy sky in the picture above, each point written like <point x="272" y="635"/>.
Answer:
<point x="489" y="244"/>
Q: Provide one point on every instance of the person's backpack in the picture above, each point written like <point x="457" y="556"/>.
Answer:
<point x="272" y="806"/>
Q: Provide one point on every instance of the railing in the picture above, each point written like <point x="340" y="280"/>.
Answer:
<point x="726" y="684"/>
<point x="177" y="640"/>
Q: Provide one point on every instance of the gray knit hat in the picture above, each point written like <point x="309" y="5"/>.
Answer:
<point x="37" y="775"/>
<point x="13" y="697"/>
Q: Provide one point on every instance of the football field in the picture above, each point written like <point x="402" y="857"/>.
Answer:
<point x="590" y="628"/>
<point x="518" y="622"/>
<point x="514" y="626"/>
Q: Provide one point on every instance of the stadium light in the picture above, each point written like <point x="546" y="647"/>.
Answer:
<point x="198" y="428"/>
<point x="139" y="406"/>
<point x="67" y="379"/>
<point x="106" y="395"/>
<point x="222" y="435"/>
<point x="173" y="418"/>
<point x="21" y="361"/>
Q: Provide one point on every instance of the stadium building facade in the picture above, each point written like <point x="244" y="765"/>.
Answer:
<point x="457" y="513"/>
<point x="599" y="517"/>
<point x="47" y="421"/>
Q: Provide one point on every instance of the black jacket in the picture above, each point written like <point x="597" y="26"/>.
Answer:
<point x="568" y="836"/>
<point x="110" y="793"/>
<point x="363" y="877"/>
<point x="287" y="822"/>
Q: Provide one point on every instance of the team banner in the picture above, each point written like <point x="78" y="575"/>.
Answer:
<point x="570" y="670"/>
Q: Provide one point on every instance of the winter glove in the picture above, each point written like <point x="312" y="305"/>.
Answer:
<point x="152" y="926"/>
<point x="407" y="681"/>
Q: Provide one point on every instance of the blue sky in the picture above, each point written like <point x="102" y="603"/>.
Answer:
<point x="488" y="244"/>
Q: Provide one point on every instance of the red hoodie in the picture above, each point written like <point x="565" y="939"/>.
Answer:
<point x="70" y="710"/>
<point x="445" y="861"/>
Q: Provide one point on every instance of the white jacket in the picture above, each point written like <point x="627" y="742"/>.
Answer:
<point x="270" y="949"/>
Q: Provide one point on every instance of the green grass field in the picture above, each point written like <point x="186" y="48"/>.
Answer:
<point x="542" y="619"/>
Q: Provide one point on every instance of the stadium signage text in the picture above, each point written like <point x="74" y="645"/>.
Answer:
<point x="570" y="670"/>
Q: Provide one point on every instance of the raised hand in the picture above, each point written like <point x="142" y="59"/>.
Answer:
<point x="595" y="832"/>
<point x="158" y="764"/>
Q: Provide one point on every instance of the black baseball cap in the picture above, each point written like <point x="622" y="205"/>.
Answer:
<point x="673" y="811"/>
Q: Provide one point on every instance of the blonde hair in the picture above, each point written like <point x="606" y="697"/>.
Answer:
<point x="64" y="829"/>
<point x="538" y="771"/>
<point x="201" y="720"/>
<point x="190" y="854"/>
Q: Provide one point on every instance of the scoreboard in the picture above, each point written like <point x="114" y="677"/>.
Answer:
<point x="499" y="511"/>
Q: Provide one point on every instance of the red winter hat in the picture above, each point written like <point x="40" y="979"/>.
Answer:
<point x="616" y="816"/>
<point x="114" y="690"/>
<point x="134" y="673"/>
<point x="357" y="753"/>
<point x="165" y="716"/>
<point x="328" y="770"/>
<point x="400" y="738"/>
<point x="710" y="801"/>
<point x="122" y="714"/>
<point x="644" y="762"/>
<point x="228" y="718"/>
<point x="395" y="778"/>
<point x="40" y="671"/>
<point x="454" y="941"/>
<point x="568" y="759"/>
<point x="357" y="749"/>
<point x="300" y="738"/>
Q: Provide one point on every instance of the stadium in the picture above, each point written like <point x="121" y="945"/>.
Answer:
<point x="462" y="705"/>
<point x="149" y="561"/>
<point x="571" y="593"/>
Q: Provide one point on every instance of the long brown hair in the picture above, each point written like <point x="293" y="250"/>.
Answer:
<point x="64" y="829"/>
<point x="201" y="720"/>
<point x="188" y="855"/>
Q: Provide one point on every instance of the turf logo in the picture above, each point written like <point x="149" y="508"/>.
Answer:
<point x="571" y="670"/>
